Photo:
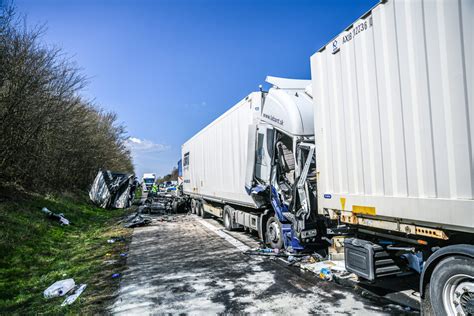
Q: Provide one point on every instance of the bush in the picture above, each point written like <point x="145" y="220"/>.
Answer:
<point x="51" y="139"/>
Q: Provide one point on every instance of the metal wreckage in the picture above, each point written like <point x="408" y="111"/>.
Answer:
<point x="113" y="190"/>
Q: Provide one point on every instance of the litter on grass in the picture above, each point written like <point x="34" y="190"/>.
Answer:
<point x="59" y="217"/>
<point x="115" y="239"/>
<point x="71" y="298"/>
<point x="59" y="288"/>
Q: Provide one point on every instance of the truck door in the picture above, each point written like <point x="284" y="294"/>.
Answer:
<point x="264" y="152"/>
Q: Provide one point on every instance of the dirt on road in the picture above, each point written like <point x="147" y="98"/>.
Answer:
<point x="183" y="266"/>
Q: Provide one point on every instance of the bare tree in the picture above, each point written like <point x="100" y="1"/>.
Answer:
<point x="50" y="137"/>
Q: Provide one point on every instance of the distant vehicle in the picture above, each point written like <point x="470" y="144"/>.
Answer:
<point x="147" y="181"/>
<point x="168" y="186"/>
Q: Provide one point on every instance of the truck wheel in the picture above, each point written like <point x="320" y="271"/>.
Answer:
<point x="202" y="213"/>
<point x="198" y="208"/>
<point x="274" y="236"/>
<point x="228" y="222"/>
<point x="452" y="286"/>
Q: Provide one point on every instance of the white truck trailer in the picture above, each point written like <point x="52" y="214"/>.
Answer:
<point x="254" y="166"/>
<point x="393" y="96"/>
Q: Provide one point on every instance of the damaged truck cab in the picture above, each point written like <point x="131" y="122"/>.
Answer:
<point x="254" y="167"/>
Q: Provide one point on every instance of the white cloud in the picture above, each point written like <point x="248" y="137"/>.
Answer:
<point x="147" y="155"/>
<point x="138" y="146"/>
<point x="198" y="105"/>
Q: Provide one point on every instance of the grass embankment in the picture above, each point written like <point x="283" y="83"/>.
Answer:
<point x="36" y="251"/>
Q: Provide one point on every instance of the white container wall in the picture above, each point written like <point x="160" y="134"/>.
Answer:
<point x="215" y="159"/>
<point x="393" y="111"/>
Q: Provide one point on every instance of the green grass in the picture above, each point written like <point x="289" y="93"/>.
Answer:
<point x="138" y="193"/>
<point x="36" y="251"/>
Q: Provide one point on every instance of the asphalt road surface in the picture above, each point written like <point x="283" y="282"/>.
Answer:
<point x="191" y="266"/>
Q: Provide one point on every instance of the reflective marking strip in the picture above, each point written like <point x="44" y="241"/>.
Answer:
<point x="367" y="210"/>
<point x="218" y="231"/>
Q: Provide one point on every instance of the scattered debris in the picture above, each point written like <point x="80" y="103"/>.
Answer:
<point x="59" y="217"/>
<point x="325" y="274"/>
<point x="115" y="239"/>
<point x="167" y="218"/>
<point x="325" y="269"/>
<point x="59" y="288"/>
<point x="137" y="220"/>
<point x="270" y="252"/>
<point x="72" y="298"/>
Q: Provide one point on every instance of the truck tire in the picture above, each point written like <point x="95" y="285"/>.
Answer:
<point x="425" y="304"/>
<point x="202" y="213"/>
<point x="228" y="220"/>
<point x="198" y="208"/>
<point x="452" y="286"/>
<point x="274" y="236"/>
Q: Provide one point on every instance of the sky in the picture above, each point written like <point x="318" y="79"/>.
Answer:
<point x="170" y="67"/>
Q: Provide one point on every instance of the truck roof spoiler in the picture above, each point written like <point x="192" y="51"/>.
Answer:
<point x="286" y="83"/>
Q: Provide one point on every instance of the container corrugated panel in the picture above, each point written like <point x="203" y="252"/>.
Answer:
<point x="218" y="155"/>
<point x="393" y="111"/>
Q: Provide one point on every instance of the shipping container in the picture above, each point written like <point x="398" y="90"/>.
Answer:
<point x="218" y="155"/>
<point x="393" y="99"/>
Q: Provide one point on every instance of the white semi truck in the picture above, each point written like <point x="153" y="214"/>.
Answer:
<point x="254" y="166"/>
<point x="393" y="97"/>
<point x="147" y="181"/>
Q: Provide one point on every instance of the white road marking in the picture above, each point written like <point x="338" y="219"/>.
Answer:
<point x="219" y="231"/>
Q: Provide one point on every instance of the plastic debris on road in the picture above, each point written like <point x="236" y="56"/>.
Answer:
<point x="322" y="267"/>
<point x="267" y="252"/>
<point x="71" y="298"/>
<point x="137" y="220"/>
<point x="59" y="217"/>
<point x="59" y="288"/>
<point x="325" y="274"/>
